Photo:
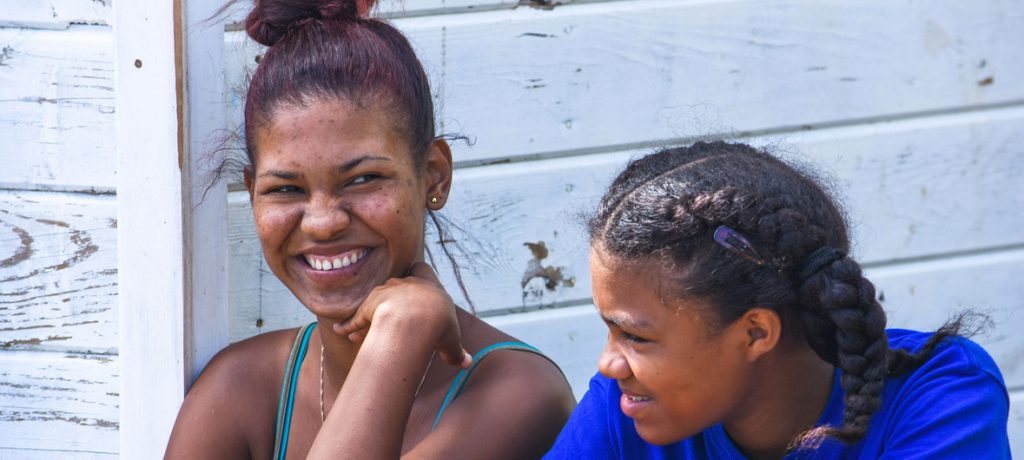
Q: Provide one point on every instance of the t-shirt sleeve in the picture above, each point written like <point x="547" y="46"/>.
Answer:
<point x="954" y="407"/>
<point x="587" y="434"/>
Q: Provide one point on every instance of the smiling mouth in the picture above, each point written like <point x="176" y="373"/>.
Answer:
<point x="335" y="262"/>
<point x="637" y="398"/>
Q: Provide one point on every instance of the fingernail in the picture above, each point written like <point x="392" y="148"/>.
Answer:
<point x="467" y="359"/>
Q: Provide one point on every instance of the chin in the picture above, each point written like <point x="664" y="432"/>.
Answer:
<point x="660" y="436"/>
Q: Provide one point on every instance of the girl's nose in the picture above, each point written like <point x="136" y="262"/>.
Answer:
<point x="612" y="364"/>
<point x="325" y="219"/>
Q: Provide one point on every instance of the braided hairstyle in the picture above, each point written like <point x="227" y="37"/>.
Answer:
<point x="670" y="203"/>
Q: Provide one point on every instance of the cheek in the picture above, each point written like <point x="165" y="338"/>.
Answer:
<point x="273" y="223"/>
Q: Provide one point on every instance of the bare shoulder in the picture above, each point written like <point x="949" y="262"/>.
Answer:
<point x="525" y="390"/>
<point x="229" y="411"/>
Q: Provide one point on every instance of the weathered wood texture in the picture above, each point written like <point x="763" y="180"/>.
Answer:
<point x="616" y="75"/>
<point x="234" y="16"/>
<point x="915" y="188"/>
<point x="58" y="272"/>
<point x="56" y="108"/>
<point x="58" y="405"/>
<point x="916" y="107"/>
<point x="53" y="14"/>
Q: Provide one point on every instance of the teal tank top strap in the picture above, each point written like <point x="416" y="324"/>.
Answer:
<point x="463" y="376"/>
<point x="288" y="384"/>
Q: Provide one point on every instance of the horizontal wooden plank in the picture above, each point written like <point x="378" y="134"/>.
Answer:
<point x="56" y="108"/>
<point x="914" y="189"/>
<point x="45" y="454"/>
<point x="54" y="14"/>
<point x="55" y="404"/>
<point x="235" y="15"/>
<point x="617" y="75"/>
<point x="58" y="271"/>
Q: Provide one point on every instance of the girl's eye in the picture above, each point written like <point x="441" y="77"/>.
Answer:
<point x="633" y="338"/>
<point x="364" y="179"/>
<point x="285" y="189"/>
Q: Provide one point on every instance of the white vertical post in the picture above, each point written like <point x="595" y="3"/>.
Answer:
<point x="171" y="247"/>
<point x="207" y="240"/>
<point x="151" y="279"/>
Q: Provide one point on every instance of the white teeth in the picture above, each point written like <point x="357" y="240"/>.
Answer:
<point x="335" y="263"/>
<point x="637" y="398"/>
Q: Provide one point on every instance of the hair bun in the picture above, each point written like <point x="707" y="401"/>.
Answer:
<point x="269" y="20"/>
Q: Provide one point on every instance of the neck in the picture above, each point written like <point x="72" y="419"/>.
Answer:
<point x="338" y="355"/>
<point x="791" y="387"/>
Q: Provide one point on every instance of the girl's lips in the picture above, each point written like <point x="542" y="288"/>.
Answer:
<point x="633" y="405"/>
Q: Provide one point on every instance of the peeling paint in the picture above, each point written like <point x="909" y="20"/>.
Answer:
<point x="551" y="275"/>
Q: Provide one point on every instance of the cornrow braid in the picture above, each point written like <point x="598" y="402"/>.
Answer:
<point x="669" y="204"/>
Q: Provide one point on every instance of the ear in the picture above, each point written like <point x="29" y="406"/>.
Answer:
<point x="250" y="181"/>
<point x="761" y="329"/>
<point x="438" y="173"/>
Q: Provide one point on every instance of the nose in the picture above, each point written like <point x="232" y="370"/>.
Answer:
<point x="324" y="219"/>
<point x="612" y="363"/>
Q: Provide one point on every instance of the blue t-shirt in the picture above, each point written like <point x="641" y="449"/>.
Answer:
<point x="954" y="406"/>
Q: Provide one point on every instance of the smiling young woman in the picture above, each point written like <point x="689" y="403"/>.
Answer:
<point x="344" y="167"/>
<point x="738" y="328"/>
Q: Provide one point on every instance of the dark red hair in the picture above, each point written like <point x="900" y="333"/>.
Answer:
<point x="331" y="49"/>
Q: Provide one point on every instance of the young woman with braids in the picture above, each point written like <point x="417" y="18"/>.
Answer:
<point x="740" y="328"/>
<point x="344" y="167"/>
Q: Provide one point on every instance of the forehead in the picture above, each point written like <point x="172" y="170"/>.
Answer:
<point x="621" y="286"/>
<point x="325" y="129"/>
<point x="639" y="296"/>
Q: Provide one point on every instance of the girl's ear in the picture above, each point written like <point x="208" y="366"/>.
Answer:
<point x="762" y="330"/>
<point x="250" y="181"/>
<point x="438" y="173"/>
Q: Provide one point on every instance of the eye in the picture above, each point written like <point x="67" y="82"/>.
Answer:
<point x="283" y="189"/>
<point x="365" y="178"/>
<point x="633" y="338"/>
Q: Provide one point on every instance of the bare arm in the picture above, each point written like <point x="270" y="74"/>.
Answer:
<point x="513" y="407"/>
<point x="404" y="321"/>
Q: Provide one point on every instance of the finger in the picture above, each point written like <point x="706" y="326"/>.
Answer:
<point x="423" y="271"/>
<point x="357" y="336"/>
<point x="461" y="358"/>
<point x="451" y="350"/>
<point x="354" y="324"/>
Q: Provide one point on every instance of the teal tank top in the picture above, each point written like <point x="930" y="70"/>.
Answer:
<point x="298" y="353"/>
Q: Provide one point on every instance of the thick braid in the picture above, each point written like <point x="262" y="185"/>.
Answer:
<point x="845" y="325"/>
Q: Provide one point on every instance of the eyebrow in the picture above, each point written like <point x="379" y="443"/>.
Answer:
<point x="287" y="175"/>
<point x="627" y="322"/>
<point x="351" y="164"/>
<point x="342" y="168"/>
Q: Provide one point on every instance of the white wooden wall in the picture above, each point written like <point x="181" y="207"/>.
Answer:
<point x="58" y="226"/>
<point x="917" y="108"/>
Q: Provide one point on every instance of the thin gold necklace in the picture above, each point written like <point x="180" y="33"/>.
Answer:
<point x="414" y="395"/>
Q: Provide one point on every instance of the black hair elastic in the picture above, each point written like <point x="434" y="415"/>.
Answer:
<point x="816" y="261"/>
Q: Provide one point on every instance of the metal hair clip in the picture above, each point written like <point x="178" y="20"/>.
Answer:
<point x="731" y="239"/>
